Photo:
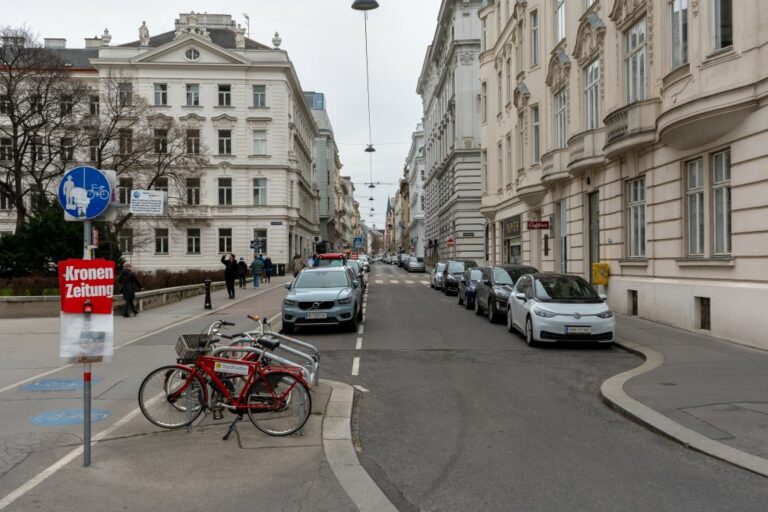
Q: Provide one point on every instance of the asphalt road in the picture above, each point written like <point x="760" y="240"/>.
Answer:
<point x="461" y="415"/>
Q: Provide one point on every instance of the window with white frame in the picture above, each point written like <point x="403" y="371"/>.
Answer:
<point x="561" y="121"/>
<point x="161" y="184"/>
<point x="193" y="95"/>
<point x="484" y="40"/>
<point x="722" y="24"/>
<point x="5" y="202"/>
<point x="509" y="81"/>
<point x="695" y="206"/>
<point x="500" y="164"/>
<point x="483" y="101"/>
<point x="499" y="91"/>
<point x="125" y="93"/>
<point x="125" y="186"/>
<point x="484" y="167"/>
<point x="6" y="148"/>
<point x="93" y="105"/>
<point x="260" y="239"/>
<point x="721" y="197"/>
<point x="161" y="241"/>
<point x="67" y="149"/>
<point x="520" y="140"/>
<point x="225" y="142"/>
<point x="534" y="19"/>
<point x="93" y="149"/>
<point x="161" y="141"/>
<point x="635" y="61"/>
<point x="559" y="20"/>
<point x="259" y="95"/>
<point x="259" y="191"/>
<point x="259" y="142"/>
<point x="636" y="217"/>
<point x="592" y="94"/>
<point x="193" y="241"/>
<point x="535" y="144"/>
<point x="193" y="191"/>
<point x="125" y="241"/>
<point x="193" y="142"/>
<point x="125" y="141"/>
<point x="225" y="240"/>
<point x="225" y="95"/>
<point x="509" y="162"/>
<point x="225" y="191"/>
<point x="679" y="36"/>
<point x="161" y="94"/>
<point x="519" y="48"/>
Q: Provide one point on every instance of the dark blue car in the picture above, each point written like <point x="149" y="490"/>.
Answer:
<point x="467" y="285"/>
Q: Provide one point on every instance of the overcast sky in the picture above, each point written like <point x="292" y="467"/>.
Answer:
<point x="325" y="41"/>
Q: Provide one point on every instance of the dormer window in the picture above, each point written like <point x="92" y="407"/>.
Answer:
<point x="192" y="54"/>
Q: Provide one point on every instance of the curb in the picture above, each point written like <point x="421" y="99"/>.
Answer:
<point x="341" y="456"/>
<point x="612" y="391"/>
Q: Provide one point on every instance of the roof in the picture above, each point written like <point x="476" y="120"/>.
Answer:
<point x="76" y="57"/>
<point x="219" y="36"/>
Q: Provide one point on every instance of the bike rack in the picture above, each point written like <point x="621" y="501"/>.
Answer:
<point x="310" y="370"/>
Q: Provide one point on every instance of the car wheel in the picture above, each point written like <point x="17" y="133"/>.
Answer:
<point x="461" y="301"/>
<point x="491" y="311"/>
<point x="445" y="290"/>
<point x="352" y="324"/>
<point x="478" y="308"/>
<point x="529" y="333"/>
<point x="468" y="303"/>
<point x="360" y="315"/>
<point x="510" y="323"/>
<point x="288" y="328"/>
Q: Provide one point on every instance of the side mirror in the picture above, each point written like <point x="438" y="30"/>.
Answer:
<point x="287" y="286"/>
<point x="356" y="284"/>
<point x="521" y="296"/>
<point x="602" y="296"/>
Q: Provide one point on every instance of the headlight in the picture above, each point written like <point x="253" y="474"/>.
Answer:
<point x="605" y="314"/>
<point x="345" y="301"/>
<point x="288" y="302"/>
<point x="543" y="312"/>
<point x="452" y="279"/>
<point x="501" y="292"/>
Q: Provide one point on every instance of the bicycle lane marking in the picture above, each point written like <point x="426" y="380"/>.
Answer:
<point x="170" y="326"/>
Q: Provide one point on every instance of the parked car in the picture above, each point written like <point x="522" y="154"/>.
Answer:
<point x="331" y="259"/>
<point x="559" y="307"/>
<point x="436" y="277"/>
<point x="323" y="296"/>
<point x="467" y="285"/>
<point x="359" y="272"/>
<point x="402" y="259"/>
<point x="365" y="262"/>
<point x="415" y="264"/>
<point x="453" y="271"/>
<point x="495" y="287"/>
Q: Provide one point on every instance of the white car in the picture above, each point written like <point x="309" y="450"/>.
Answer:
<point x="559" y="307"/>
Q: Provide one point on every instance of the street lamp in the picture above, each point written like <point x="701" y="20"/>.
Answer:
<point x="365" y="5"/>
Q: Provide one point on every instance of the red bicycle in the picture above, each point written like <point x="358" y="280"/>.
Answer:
<point x="276" y="398"/>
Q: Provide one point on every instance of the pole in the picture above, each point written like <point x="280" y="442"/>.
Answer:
<point x="87" y="235"/>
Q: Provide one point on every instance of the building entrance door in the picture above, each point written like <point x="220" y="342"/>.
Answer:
<point x="594" y="231"/>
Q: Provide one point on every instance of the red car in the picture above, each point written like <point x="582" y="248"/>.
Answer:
<point x="331" y="259"/>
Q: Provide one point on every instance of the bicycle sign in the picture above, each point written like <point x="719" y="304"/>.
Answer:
<point x="84" y="192"/>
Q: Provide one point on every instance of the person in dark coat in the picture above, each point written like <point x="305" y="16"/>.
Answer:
<point x="267" y="268"/>
<point x="129" y="285"/>
<point x="230" y="272"/>
<point x="242" y="272"/>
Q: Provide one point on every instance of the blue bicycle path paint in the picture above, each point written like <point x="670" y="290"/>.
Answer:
<point x="68" y="417"/>
<point x="57" y="385"/>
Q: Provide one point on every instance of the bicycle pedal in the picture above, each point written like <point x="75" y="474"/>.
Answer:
<point x="218" y="414"/>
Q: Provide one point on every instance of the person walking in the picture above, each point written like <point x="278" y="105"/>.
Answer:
<point x="257" y="267"/>
<point x="242" y="272"/>
<point x="296" y="265"/>
<point x="267" y="268"/>
<point x="230" y="272"/>
<point x="129" y="284"/>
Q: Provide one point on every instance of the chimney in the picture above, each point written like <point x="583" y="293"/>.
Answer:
<point x="93" y="42"/>
<point x="55" y="42"/>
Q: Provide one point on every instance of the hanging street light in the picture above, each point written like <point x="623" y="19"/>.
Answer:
<point x="365" y="5"/>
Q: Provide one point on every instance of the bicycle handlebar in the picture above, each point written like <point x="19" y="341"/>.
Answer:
<point x="224" y="322"/>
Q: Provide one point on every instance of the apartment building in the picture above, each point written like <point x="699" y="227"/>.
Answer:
<point x="414" y="168"/>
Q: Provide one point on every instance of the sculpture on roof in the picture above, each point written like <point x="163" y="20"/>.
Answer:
<point x="106" y="37"/>
<point x="239" y="37"/>
<point x="190" y="26"/>
<point x="143" y="34"/>
<point x="276" y="40"/>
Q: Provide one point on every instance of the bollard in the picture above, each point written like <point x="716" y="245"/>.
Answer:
<point x="207" y="293"/>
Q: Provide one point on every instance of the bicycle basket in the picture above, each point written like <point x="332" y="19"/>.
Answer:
<point x="190" y="345"/>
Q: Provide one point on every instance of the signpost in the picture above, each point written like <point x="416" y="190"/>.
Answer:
<point x="450" y="242"/>
<point x="147" y="202"/>
<point x="538" y="224"/>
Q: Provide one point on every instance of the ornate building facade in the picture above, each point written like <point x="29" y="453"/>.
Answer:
<point x="414" y="168"/>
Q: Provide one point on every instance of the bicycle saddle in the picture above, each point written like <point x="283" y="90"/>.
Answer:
<point x="268" y="344"/>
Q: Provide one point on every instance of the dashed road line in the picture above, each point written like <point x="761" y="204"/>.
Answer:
<point x="424" y="282"/>
<point x="360" y="331"/>
<point x="408" y="282"/>
<point x="394" y="282"/>
<point x="355" y="366"/>
<point x="359" y="344"/>
<point x="379" y="281"/>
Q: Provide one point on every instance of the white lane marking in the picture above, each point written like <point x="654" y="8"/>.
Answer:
<point x="408" y="282"/>
<point x="424" y="282"/>
<point x="360" y="331"/>
<point x="360" y="388"/>
<point x="53" y="468"/>
<point x="355" y="366"/>
<point x="379" y="281"/>
<point x="394" y="282"/>
<point x="359" y="344"/>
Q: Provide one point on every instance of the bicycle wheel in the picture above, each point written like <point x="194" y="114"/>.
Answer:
<point x="170" y="397"/>
<point x="284" y="404"/>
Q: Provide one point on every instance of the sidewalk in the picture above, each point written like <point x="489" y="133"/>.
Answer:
<point x="707" y="393"/>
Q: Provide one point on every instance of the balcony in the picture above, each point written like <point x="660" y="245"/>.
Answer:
<point x="190" y="213"/>
<point x="529" y="187"/>
<point x="554" y="167"/>
<point x="585" y="150"/>
<point x="631" y="126"/>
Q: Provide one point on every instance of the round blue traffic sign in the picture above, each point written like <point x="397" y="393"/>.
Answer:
<point x="84" y="192"/>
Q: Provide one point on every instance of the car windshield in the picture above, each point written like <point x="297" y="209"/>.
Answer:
<point x="564" y="289"/>
<point x="354" y="265"/>
<point x="322" y="279"/>
<point x="440" y="267"/>
<point x="501" y="276"/>
<point x="330" y="263"/>
<point x="455" y="267"/>
<point x="475" y="275"/>
<point x="413" y="260"/>
<point x="515" y="273"/>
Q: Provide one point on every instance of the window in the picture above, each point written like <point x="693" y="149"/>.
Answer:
<point x="561" y="229"/>
<point x="125" y="185"/>
<point x="500" y="163"/>
<point x="161" y="241"/>
<point x="193" y="191"/>
<point x="695" y="206"/>
<point x="6" y="149"/>
<point x="636" y="217"/>
<point x="125" y="241"/>
<point x="161" y="141"/>
<point x="484" y="165"/>
<point x="67" y="149"/>
<point x="38" y="149"/>
<point x="125" y="141"/>
<point x="259" y="95"/>
<point x="225" y="191"/>
<point x="193" y="241"/>
<point x="125" y="94"/>
<point x="93" y="106"/>
<point x="679" y="19"/>
<point x="484" y="40"/>
<point x="193" y="142"/>
<point x="520" y="140"/>
<point x="225" y="142"/>
<point x="192" y="54"/>
<point x="721" y="195"/>
<point x="36" y="197"/>
<point x="5" y="104"/>
<point x="635" y="62"/>
<point x="259" y="142"/>
<point x="534" y="38"/>
<point x="484" y="100"/>
<point x="193" y="95"/>
<point x="535" y="149"/>
<point x="161" y="94"/>
<point x="225" y="240"/>
<point x="66" y="105"/>
<point x="519" y="49"/>
<point x="259" y="191"/>
<point x="592" y="94"/>
<point x="509" y="162"/>
<point x="722" y="20"/>
<point x="93" y="150"/>
<point x="225" y="95"/>
<point x="161" y="184"/>
<point x="36" y="104"/>
<point x="498" y="91"/>
<point x="509" y="81"/>
<point x="260" y="240"/>
<point x="561" y="119"/>
<point x="5" y="202"/>
<point x="290" y="193"/>
<point x="559" y="20"/>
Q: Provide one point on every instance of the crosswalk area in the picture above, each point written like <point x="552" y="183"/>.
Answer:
<point x="402" y="281"/>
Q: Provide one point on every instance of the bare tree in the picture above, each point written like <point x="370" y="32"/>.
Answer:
<point x="39" y="105"/>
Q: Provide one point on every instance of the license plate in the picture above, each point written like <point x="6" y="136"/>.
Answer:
<point x="578" y="329"/>
<point x="316" y="316"/>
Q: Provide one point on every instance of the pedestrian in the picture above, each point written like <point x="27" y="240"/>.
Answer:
<point x="230" y="272"/>
<point x="257" y="267"/>
<point x="242" y="272"/>
<point x="296" y="265"/>
<point x="267" y="268"/>
<point x="129" y="284"/>
<point x="310" y="261"/>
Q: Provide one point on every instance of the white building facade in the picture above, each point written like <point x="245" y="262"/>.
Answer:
<point x="415" y="169"/>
